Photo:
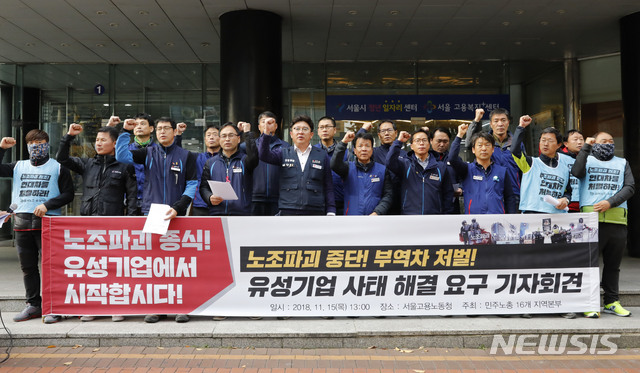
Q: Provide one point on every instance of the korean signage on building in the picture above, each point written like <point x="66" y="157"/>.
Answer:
<point x="376" y="107"/>
<point x="323" y="266"/>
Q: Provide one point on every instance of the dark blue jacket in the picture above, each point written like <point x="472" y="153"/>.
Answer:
<point x="237" y="170"/>
<point x="367" y="187"/>
<point x="201" y="159"/>
<point x="338" y="188"/>
<point x="140" y="167"/>
<point x="311" y="190"/>
<point x="266" y="177"/>
<point x="423" y="191"/>
<point x="487" y="191"/>
<point x="170" y="173"/>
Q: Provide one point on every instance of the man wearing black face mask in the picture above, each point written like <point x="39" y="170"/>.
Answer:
<point x="606" y="183"/>
<point x="41" y="186"/>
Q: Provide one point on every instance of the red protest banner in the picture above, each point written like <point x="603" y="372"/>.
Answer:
<point x="108" y="266"/>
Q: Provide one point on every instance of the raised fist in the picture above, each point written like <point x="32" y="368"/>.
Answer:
<point x="479" y="115"/>
<point x="525" y="121"/>
<point x="349" y="136"/>
<point x="404" y="136"/>
<point x="181" y="127"/>
<point x="113" y="121"/>
<point x="74" y="129"/>
<point x="7" y="142"/>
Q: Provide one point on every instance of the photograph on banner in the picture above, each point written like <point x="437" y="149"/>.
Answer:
<point x="326" y="266"/>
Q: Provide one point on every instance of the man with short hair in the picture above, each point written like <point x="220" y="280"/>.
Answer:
<point x="547" y="175"/>
<point x="387" y="133"/>
<point x="212" y="144"/>
<point x="425" y="183"/>
<point x="107" y="183"/>
<point x="573" y="142"/>
<point x="499" y="121"/>
<point x="306" y="186"/>
<point x="41" y="186"/>
<point x="170" y="174"/>
<point x="367" y="184"/>
<point x="232" y="166"/>
<point x="606" y="184"/>
<point x="440" y="140"/>
<point x="326" y="132"/>
<point x="487" y="186"/>
<point x="266" y="177"/>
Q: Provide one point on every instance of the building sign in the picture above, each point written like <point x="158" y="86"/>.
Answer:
<point x="322" y="266"/>
<point x="370" y="107"/>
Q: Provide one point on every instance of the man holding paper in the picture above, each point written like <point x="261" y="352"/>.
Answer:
<point x="230" y="166"/>
<point x="545" y="184"/>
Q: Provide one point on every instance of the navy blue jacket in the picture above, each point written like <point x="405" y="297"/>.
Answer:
<point x="170" y="173"/>
<point x="338" y="188"/>
<point x="237" y="170"/>
<point x="423" y="191"/>
<point x="201" y="159"/>
<point x="266" y="177"/>
<point x="367" y="187"/>
<point x="311" y="190"/>
<point x="487" y="191"/>
<point x="140" y="167"/>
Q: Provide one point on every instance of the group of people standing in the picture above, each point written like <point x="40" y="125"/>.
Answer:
<point x="272" y="177"/>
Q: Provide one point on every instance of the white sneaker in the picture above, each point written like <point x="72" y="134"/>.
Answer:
<point x="116" y="318"/>
<point x="87" y="318"/>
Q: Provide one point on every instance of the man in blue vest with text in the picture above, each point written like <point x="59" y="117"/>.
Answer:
<point x="606" y="184"/>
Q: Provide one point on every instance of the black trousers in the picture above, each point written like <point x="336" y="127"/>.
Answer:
<point x="28" y="245"/>
<point x="612" y="240"/>
<point x="264" y="208"/>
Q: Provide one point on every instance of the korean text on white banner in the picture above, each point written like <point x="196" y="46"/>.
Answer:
<point x="323" y="266"/>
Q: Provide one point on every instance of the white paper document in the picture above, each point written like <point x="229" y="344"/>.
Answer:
<point x="223" y="189"/>
<point x="552" y="201"/>
<point x="155" y="222"/>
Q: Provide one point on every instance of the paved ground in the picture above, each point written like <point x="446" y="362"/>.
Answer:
<point x="372" y="360"/>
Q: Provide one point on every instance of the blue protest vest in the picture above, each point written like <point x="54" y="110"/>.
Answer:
<point x="34" y="185"/>
<point x="602" y="180"/>
<point x="363" y="190"/>
<point x="543" y="180"/>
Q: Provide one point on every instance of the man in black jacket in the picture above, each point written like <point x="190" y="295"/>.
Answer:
<point x="106" y="181"/>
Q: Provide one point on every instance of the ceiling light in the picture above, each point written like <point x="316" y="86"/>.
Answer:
<point x="413" y="43"/>
<point x="134" y="45"/>
<point x="143" y="12"/>
<point x="64" y="44"/>
<point x="204" y="44"/>
<point x="544" y="23"/>
<point x="99" y="45"/>
<point x="519" y="12"/>
<point x="344" y="44"/>
<point x="394" y="12"/>
<point x="449" y="43"/>
<point x="29" y="44"/>
<point x="379" y="43"/>
<point x="101" y="12"/>
<point x="170" y="44"/>
<point x="105" y="104"/>
<point x="552" y="43"/>
<point x="349" y="24"/>
<point x="113" y="24"/>
<point x="483" y="43"/>
<point x="389" y="24"/>
<point x="310" y="43"/>
<point x="506" y="23"/>
<point x="353" y="12"/>
<point x="517" y="43"/>
<point x="153" y="24"/>
<point x="128" y="105"/>
<point x="561" y="11"/>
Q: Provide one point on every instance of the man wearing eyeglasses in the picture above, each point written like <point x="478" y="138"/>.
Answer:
<point x="170" y="174"/>
<point x="326" y="131"/>
<point x="426" y="187"/>
<point x="387" y="133"/>
<point x="232" y="166"/>
<point x="306" y="186"/>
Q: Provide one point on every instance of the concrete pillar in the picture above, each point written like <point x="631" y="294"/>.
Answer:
<point x="250" y="65"/>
